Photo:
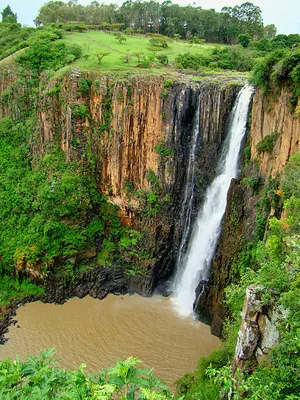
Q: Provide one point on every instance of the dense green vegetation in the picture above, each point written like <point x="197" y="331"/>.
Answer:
<point x="228" y="58"/>
<point x="278" y="69"/>
<point x="13" y="38"/>
<point x="12" y="290"/>
<point x="51" y="210"/>
<point x="42" y="213"/>
<point x="39" y="378"/>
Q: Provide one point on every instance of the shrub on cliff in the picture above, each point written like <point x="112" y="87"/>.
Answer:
<point x="268" y="143"/>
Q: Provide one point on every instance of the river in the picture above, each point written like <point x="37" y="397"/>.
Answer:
<point x="100" y="332"/>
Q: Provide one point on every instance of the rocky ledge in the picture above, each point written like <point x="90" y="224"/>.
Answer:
<point x="97" y="282"/>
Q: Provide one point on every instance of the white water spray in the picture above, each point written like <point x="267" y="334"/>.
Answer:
<point x="187" y="205"/>
<point x="206" y="230"/>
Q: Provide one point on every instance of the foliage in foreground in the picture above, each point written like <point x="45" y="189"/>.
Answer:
<point x="39" y="378"/>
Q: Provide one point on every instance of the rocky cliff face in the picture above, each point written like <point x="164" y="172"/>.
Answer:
<point x="137" y="132"/>
<point x="269" y="116"/>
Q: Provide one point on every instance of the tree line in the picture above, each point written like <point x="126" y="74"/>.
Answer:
<point x="164" y="18"/>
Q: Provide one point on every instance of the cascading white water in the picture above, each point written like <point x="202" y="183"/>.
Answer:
<point x="187" y="205"/>
<point x="206" y="230"/>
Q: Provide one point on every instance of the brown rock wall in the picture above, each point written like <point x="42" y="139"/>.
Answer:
<point x="117" y="123"/>
<point x="271" y="115"/>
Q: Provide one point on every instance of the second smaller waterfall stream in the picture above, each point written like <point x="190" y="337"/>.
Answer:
<point x="196" y="263"/>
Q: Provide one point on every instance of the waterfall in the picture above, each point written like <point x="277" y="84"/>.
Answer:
<point x="195" y="265"/>
<point x="187" y="204"/>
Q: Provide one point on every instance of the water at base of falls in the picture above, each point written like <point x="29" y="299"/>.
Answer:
<point x="195" y="265"/>
<point x="101" y="332"/>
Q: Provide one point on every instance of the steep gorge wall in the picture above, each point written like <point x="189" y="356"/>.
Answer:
<point x="269" y="115"/>
<point x="139" y="127"/>
<point x="136" y="131"/>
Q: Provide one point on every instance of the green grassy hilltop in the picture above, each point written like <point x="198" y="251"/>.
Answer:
<point x="133" y="52"/>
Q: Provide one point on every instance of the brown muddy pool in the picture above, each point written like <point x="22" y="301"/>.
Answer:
<point x="99" y="332"/>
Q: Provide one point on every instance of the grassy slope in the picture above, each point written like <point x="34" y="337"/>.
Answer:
<point x="133" y="44"/>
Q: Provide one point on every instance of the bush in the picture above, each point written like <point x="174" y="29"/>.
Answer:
<point x="278" y="69"/>
<point x="146" y="62"/>
<point x="163" y="59"/>
<point x="120" y="38"/>
<point x="13" y="290"/>
<point x="163" y="150"/>
<point x="80" y="110"/>
<point x="285" y="41"/>
<point x="291" y="177"/>
<point x="197" y="385"/>
<point x="247" y="155"/>
<point x="253" y="183"/>
<point x="85" y="85"/>
<point x="224" y="58"/>
<point x="263" y="45"/>
<point x="232" y="58"/>
<point x="268" y="143"/>
<point x="192" y="61"/>
<point x="262" y="70"/>
<point x="15" y="38"/>
<point x="159" y="41"/>
<point x="44" y="54"/>
<point x="244" y="39"/>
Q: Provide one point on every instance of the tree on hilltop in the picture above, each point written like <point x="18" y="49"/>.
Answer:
<point x="8" y="15"/>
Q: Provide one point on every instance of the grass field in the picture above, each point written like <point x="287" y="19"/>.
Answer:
<point x="96" y="42"/>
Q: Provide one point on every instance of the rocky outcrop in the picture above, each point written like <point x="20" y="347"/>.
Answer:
<point x="96" y="282"/>
<point x="258" y="332"/>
